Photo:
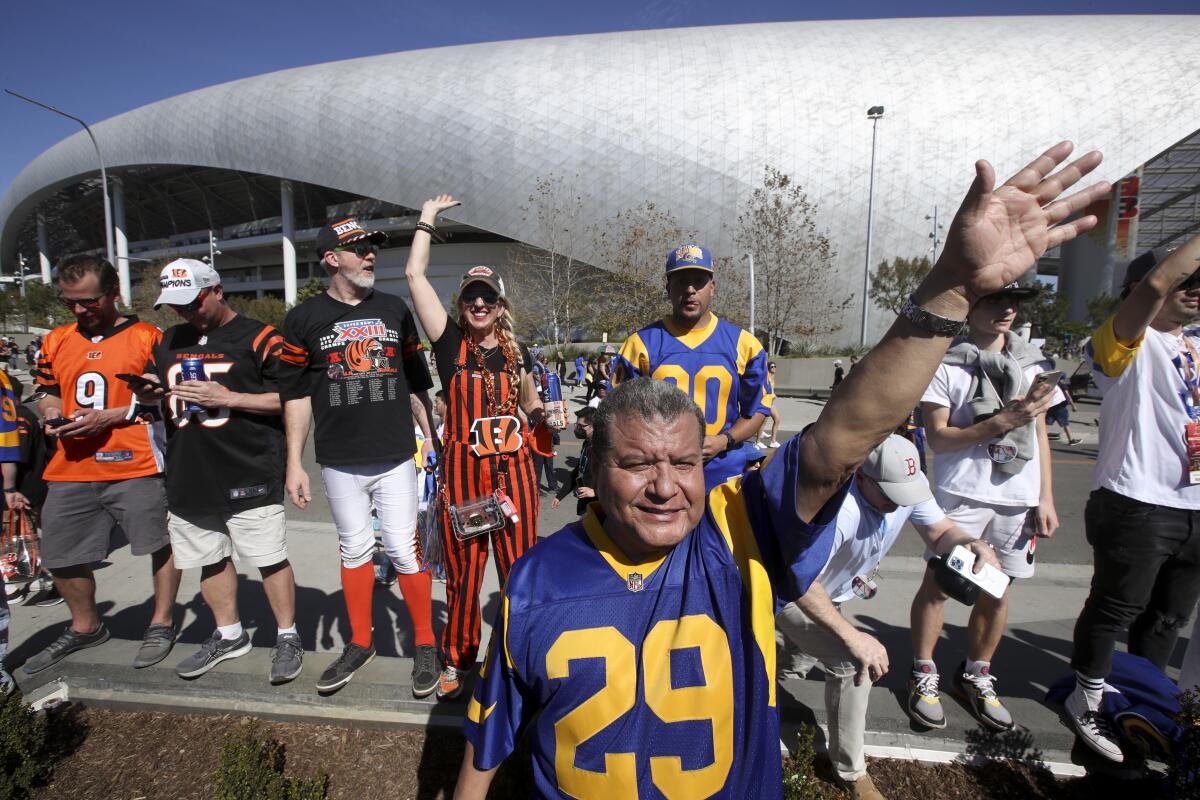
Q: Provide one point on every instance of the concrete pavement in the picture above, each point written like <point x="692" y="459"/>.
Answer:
<point x="1034" y="653"/>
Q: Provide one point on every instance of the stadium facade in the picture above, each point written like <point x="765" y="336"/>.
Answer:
<point x="685" y="118"/>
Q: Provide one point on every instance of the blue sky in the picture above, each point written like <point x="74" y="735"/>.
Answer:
<point x="97" y="59"/>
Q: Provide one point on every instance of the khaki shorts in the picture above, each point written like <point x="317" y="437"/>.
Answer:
<point x="1000" y="526"/>
<point x="79" y="516"/>
<point x="257" y="535"/>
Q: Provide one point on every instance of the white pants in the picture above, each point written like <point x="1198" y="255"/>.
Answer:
<point x="802" y="645"/>
<point x="392" y="489"/>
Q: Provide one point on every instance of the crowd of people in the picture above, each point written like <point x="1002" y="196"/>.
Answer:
<point x="638" y="646"/>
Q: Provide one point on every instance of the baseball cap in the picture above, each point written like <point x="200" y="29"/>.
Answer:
<point x="347" y="231"/>
<point x="182" y="280"/>
<point x="896" y="466"/>
<point x="689" y="256"/>
<point x="1140" y="267"/>
<point x="485" y="275"/>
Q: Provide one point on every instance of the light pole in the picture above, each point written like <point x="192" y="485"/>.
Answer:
<point x="935" y="234"/>
<point x="750" y="257"/>
<point x="108" y="229"/>
<point x="874" y="113"/>
<point x="213" y="252"/>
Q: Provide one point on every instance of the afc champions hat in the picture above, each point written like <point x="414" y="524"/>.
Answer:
<point x="484" y="275"/>
<point x="689" y="256"/>
<point x="348" y="231"/>
<point x="896" y="466"/>
<point x="182" y="280"/>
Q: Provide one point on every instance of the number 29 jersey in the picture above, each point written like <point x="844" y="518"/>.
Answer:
<point x="657" y="679"/>
<point x="82" y="371"/>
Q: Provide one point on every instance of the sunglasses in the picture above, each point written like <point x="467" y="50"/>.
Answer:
<point x="86" y="302"/>
<point x="361" y="250"/>
<point x="194" y="306"/>
<point x="1191" y="283"/>
<point x="488" y="296"/>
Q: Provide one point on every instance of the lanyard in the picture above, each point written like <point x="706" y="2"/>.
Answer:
<point x="1187" y="371"/>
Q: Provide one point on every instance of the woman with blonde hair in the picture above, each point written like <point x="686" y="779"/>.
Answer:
<point x="487" y="481"/>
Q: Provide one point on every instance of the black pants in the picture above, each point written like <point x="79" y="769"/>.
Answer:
<point x="1146" y="580"/>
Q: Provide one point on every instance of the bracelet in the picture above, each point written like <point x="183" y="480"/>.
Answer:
<point x="10" y="491"/>
<point x="432" y="231"/>
<point x="927" y="320"/>
<point x="729" y="440"/>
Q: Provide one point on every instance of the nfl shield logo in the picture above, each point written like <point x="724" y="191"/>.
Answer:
<point x="634" y="583"/>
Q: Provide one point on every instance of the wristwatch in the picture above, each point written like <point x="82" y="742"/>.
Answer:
<point x="923" y="318"/>
<point x="729" y="440"/>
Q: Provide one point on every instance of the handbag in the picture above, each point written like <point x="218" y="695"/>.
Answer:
<point x="20" y="555"/>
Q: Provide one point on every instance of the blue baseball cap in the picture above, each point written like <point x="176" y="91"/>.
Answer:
<point x="689" y="256"/>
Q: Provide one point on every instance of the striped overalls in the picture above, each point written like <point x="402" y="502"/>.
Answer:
<point x="465" y="476"/>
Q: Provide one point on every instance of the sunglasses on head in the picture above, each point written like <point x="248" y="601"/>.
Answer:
<point x="86" y="302"/>
<point x="362" y="250"/>
<point x="489" y="296"/>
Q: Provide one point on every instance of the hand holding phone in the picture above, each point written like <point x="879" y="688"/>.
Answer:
<point x="138" y="383"/>
<point x="1045" y="379"/>
<point x="990" y="579"/>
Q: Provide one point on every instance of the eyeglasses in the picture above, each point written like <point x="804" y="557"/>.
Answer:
<point x="488" y="296"/>
<point x="194" y="306"/>
<point x="361" y="250"/>
<point x="86" y="302"/>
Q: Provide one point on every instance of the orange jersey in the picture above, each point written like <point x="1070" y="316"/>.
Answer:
<point x="82" y="371"/>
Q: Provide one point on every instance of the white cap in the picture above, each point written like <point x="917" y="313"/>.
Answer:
<point x="837" y="362"/>
<point x="182" y="280"/>
<point x="896" y="466"/>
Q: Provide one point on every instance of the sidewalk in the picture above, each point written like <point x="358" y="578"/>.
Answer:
<point x="1034" y="653"/>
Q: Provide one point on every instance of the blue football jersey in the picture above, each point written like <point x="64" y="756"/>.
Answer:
<point x="722" y="367"/>
<point x="657" y="679"/>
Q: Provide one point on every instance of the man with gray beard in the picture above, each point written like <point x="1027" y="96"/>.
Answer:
<point x="355" y="364"/>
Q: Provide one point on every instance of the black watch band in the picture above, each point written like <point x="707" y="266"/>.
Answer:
<point x="729" y="440"/>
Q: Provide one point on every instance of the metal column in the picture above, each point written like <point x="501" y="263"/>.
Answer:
<point x="289" y="244"/>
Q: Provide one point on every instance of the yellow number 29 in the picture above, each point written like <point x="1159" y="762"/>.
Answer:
<point x="713" y="702"/>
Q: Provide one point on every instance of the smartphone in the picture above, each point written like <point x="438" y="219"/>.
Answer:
<point x="990" y="579"/>
<point x="139" y="381"/>
<point x="1050" y="378"/>
<point x="58" y="422"/>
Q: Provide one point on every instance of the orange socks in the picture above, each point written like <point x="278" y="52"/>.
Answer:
<point x="417" y="590"/>
<point x="357" y="585"/>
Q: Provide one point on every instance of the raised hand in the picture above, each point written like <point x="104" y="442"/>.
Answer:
<point x="999" y="233"/>
<point x="436" y="205"/>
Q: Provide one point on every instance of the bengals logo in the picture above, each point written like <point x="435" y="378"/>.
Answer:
<point x="363" y="354"/>
<point x="492" y="436"/>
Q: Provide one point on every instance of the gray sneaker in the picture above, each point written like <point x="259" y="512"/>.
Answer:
<point x="211" y="653"/>
<point x="353" y="658"/>
<point x="982" y="699"/>
<point x="287" y="658"/>
<point x="425" y="672"/>
<point x="157" y="642"/>
<point x="924" y="700"/>
<point x="68" y="642"/>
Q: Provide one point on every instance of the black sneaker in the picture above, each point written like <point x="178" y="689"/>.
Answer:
<point x="339" y="673"/>
<point x="287" y="658"/>
<point x="425" y="671"/>
<point x="211" y="653"/>
<point x="63" y="646"/>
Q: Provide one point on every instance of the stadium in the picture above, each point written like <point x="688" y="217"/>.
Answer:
<point x="684" y="118"/>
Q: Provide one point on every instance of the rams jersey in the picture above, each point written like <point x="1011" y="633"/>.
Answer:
<point x="722" y="367"/>
<point x="82" y="370"/>
<point x="657" y="679"/>
<point x="10" y="437"/>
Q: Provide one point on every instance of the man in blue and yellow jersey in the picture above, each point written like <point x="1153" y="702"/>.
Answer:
<point x="635" y="648"/>
<point x="716" y="363"/>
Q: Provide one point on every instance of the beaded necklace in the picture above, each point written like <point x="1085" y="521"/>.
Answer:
<point x="490" y="390"/>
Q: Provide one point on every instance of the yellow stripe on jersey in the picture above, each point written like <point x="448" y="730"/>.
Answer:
<point x="1109" y="353"/>
<point x="728" y="508"/>
<point x="696" y="336"/>
<point x="635" y="352"/>
<point x="620" y="563"/>
<point x="507" y="654"/>
<point x="748" y="347"/>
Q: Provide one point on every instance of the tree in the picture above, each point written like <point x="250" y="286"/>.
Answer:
<point x="1047" y="313"/>
<point x="549" y="279"/>
<point x="793" y="262"/>
<point x="627" y="292"/>
<point x="312" y="288"/>
<point x="893" y="283"/>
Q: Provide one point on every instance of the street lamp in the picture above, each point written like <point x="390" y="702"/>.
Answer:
<point x="874" y="113"/>
<point x="213" y="252"/>
<point x="108" y="229"/>
<point x="750" y="258"/>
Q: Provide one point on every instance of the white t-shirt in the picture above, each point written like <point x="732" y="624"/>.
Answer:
<point x="970" y="472"/>
<point x="864" y="537"/>
<point x="1142" y="452"/>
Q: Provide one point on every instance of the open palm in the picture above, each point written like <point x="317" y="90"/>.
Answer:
<point x="999" y="233"/>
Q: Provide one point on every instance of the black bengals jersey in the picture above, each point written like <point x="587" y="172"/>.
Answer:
<point x="358" y="364"/>
<point x="223" y="460"/>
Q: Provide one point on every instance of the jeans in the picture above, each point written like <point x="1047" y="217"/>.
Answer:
<point x="803" y="645"/>
<point x="1146" y="580"/>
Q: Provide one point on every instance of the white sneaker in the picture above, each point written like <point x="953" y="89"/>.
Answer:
<point x="1092" y="727"/>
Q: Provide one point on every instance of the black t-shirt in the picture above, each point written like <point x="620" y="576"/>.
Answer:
<point x="224" y="460"/>
<point x="34" y="454"/>
<point x="358" y="364"/>
<point x="445" y="351"/>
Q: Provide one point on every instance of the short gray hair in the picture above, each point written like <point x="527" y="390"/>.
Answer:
<point x="646" y="399"/>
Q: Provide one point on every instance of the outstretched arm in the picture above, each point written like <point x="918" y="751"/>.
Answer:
<point x="1142" y="305"/>
<point x="997" y="235"/>
<point x="425" y="300"/>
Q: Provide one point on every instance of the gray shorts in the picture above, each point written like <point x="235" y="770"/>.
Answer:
<point x="78" y="518"/>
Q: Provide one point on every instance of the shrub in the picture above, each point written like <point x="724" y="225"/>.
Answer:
<point x="251" y="768"/>
<point x="26" y="757"/>
<point x="799" y="778"/>
<point x="1183" y="773"/>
